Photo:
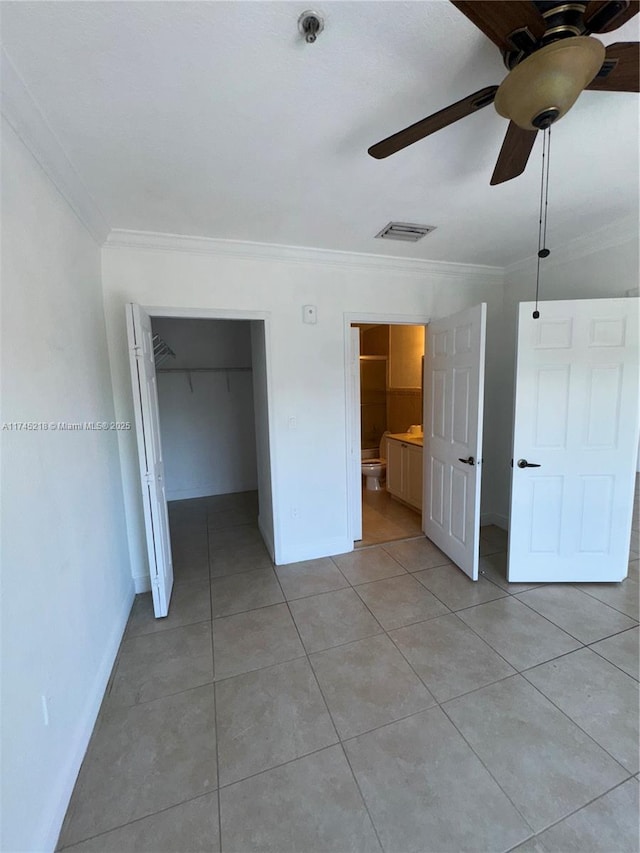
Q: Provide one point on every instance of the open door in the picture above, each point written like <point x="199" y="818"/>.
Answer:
<point x="575" y="441"/>
<point x="355" y="457"/>
<point x="145" y="405"/>
<point x="454" y="397"/>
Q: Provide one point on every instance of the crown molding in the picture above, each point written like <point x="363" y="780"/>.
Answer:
<point x="610" y="236"/>
<point x="245" y="250"/>
<point x="22" y="112"/>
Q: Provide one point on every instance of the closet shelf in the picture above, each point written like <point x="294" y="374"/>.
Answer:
<point x="205" y="370"/>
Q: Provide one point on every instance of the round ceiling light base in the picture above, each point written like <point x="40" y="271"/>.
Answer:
<point x="545" y="85"/>
<point x="546" y="118"/>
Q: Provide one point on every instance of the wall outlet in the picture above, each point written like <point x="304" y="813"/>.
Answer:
<point x="294" y="512"/>
<point x="309" y="314"/>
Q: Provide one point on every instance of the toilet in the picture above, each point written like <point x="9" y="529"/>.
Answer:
<point x="374" y="467"/>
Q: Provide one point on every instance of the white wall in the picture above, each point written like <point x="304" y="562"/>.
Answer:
<point x="306" y="362"/>
<point x="602" y="265"/>
<point x="207" y="419"/>
<point x="66" y="579"/>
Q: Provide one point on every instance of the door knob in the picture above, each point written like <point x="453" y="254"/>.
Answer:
<point x="469" y="461"/>
<point x="522" y="463"/>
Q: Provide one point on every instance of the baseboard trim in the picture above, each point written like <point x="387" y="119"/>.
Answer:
<point x="208" y="491"/>
<point x="496" y="518"/>
<point x="328" y="548"/>
<point x="52" y="824"/>
<point x="142" y="583"/>
<point x="268" y="540"/>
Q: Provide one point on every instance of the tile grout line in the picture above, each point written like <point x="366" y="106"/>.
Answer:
<point x="444" y="710"/>
<point x="386" y="633"/>
<point x="575" y="811"/>
<point x="606" y="603"/>
<point x="136" y="820"/>
<point x="575" y="722"/>
<point x="333" y="723"/>
<point x="577" y="639"/>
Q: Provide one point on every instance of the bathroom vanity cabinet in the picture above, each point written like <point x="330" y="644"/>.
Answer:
<point x="404" y="469"/>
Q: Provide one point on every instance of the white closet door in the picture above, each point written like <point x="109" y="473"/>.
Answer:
<point x="145" y="404"/>
<point x="575" y="441"/>
<point x="454" y="398"/>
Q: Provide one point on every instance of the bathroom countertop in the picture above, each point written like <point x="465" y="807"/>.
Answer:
<point x="407" y="437"/>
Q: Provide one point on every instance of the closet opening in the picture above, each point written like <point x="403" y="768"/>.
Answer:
<point x="204" y="446"/>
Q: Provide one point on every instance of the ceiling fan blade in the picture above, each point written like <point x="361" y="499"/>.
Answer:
<point x="620" y="70"/>
<point x="437" y="121"/>
<point x="604" y="16"/>
<point x="514" y="154"/>
<point x="499" y="18"/>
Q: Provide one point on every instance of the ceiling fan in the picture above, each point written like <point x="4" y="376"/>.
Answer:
<point x="551" y="56"/>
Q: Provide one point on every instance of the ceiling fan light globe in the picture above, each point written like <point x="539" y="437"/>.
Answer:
<point x="545" y="85"/>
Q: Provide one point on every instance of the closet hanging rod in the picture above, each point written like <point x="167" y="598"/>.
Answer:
<point x="204" y="369"/>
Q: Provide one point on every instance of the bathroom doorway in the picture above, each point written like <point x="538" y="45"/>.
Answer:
<point x="389" y="412"/>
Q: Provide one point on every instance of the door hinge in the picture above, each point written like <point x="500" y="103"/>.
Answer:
<point x="148" y="478"/>
<point x="136" y="349"/>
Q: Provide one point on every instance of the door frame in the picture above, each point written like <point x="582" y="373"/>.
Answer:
<point x="232" y="314"/>
<point x="352" y="407"/>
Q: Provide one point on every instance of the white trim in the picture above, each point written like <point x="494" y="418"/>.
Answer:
<point x="609" y="237"/>
<point x="352" y="406"/>
<point x="142" y="583"/>
<point x="328" y="548"/>
<point x="82" y="731"/>
<point x="266" y="535"/>
<point x="22" y="112"/>
<point x="153" y="241"/>
<point x="207" y="491"/>
<point x="233" y="314"/>
<point x="206" y="313"/>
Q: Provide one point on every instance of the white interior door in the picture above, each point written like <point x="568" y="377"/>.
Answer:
<point x="575" y="441"/>
<point x="356" y="437"/>
<point x="454" y="397"/>
<point x="145" y="404"/>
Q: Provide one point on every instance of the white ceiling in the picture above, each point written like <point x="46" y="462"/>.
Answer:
<point x="216" y="119"/>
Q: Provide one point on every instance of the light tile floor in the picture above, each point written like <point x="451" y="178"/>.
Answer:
<point x="375" y="701"/>
<point x="385" y="519"/>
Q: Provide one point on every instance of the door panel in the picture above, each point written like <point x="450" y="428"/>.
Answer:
<point x="454" y="397"/>
<point x="356" y="437"/>
<point x="576" y="417"/>
<point x="145" y="404"/>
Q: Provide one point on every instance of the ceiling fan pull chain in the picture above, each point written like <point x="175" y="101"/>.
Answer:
<point x="546" y="252"/>
<point x="543" y="252"/>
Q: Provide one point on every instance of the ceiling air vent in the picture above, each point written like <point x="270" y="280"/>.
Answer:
<point x="406" y="231"/>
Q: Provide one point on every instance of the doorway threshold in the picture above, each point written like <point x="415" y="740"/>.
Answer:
<point x="386" y="520"/>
